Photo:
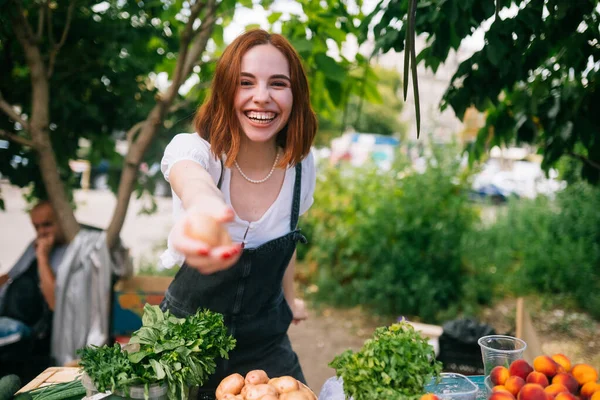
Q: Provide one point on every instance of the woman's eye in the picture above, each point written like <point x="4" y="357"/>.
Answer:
<point x="279" y="84"/>
<point x="245" y="82"/>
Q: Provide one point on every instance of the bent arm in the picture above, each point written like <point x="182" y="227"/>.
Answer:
<point x="47" y="281"/>
<point x="289" y="292"/>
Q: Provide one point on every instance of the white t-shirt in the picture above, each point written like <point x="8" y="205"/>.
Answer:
<point x="276" y="220"/>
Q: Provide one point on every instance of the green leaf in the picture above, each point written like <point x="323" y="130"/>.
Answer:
<point x="252" y="26"/>
<point x="158" y="369"/>
<point x="334" y="89"/>
<point x="330" y="68"/>
<point x="274" y="17"/>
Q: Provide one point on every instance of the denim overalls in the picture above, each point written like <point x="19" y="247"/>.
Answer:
<point x="250" y="297"/>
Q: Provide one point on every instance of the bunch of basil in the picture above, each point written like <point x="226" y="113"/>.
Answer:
<point x="395" y="363"/>
<point x="180" y="352"/>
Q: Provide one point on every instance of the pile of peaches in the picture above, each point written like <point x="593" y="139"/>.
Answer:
<point x="549" y="378"/>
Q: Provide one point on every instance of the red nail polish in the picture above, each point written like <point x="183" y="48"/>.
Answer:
<point x="225" y="256"/>
<point x="203" y="252"/>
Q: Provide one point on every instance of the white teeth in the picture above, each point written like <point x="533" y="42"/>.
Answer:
<point x="261" y="116"/>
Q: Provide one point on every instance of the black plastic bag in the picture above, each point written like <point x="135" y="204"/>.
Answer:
<point x="459" y="351"/>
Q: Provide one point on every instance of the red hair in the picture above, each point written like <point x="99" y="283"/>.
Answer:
<point x="217" y="122"/>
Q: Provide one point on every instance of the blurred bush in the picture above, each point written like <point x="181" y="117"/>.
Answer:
<point x="391" y="241"/>
<point x="412" y="244"/>
<point x="545" y="247"/>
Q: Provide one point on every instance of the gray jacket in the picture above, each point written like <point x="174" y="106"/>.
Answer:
<point x="83" y="291"/>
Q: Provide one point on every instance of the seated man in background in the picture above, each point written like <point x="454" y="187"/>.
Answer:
<point x="27" y="298"/>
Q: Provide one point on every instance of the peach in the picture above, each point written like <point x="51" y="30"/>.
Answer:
<point x="545" y="365"/>
<point x="514" y="383"/>
<point x="501" y="395"/>
<point x="584" y="373"/>
<point x="567" y="380"/>
<point x="500" y="388"/>
<point x="499" y="375"/>
<point x="520" y="368"/>
<point x="532" y="391"/>
<point x="589" y="389"/>
<point x="556" y="388"/>
<point x="565" y="396"/>
<point x="429" y="396"/>
<point x="537" y="377"/>
<point x="563" y="361"/>
<point x="595" y="396"/>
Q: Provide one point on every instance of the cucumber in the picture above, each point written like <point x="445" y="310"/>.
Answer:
<point x="9" y="385"/>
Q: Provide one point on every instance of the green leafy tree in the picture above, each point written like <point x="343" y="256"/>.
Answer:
<point x="81" y="71"/>
<point x="536" y="75"/>
<point x="376" y="111"/>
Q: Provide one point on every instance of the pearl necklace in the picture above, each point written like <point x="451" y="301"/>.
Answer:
<point x="260" y="180"/>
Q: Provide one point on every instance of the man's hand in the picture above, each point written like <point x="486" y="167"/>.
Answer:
<point x="299" y="311"/>
<point x="43" y="247"/>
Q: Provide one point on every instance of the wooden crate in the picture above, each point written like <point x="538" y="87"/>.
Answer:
<point x="52" y="375"/>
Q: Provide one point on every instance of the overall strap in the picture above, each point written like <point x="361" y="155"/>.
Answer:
<point x="220" y="176"/>
<point x="296" y="198"/>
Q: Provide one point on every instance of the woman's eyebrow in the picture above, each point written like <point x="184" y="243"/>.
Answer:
<point x="276" y="76"/>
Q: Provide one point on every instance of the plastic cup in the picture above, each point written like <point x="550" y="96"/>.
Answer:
<point x="500" y="350"/>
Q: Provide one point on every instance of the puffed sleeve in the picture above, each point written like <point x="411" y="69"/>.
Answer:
<point x="185" y="146"/>
<point x="309" y="178"/>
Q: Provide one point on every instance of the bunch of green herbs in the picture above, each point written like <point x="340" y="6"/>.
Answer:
<point x="396" y="363"/>
<point x="180" y="352"/>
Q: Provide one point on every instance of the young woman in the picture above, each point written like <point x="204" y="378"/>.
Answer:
<point x="250" y="168"/>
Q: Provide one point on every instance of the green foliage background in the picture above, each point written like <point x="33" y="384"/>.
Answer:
<point x="414" y="245"/>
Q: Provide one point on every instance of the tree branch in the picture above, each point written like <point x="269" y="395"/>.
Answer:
<point x="201" y="38"/>
<point x="13" y="137"/>
<point x="56" y="48"/>
<point x="12" y="114"/>
<point x="40" y="27"/>
<point x="29" y="36"/>
<point x="134" y="129"/>
<point x="586" y="160"/>
<point x="186" y="38"/>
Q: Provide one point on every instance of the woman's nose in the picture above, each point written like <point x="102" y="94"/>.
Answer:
<point x="262" y="94"/>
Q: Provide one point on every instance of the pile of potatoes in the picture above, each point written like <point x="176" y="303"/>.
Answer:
<point x="257" y="386"/>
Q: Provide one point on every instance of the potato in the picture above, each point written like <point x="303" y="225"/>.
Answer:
<point x="255" y="392"/>
<point x="270" y="397"/>
<point x="229" y="396"/>
<point x="295" y="395"/>
<point x="232" y="384"/>
<point x="245" y="390"/>
<point x="304" y="389"/>
<point x="284" y="384"/>
<point x="256" y="377"/>
<point x="207" y="229"/>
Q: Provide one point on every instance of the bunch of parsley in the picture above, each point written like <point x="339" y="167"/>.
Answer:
<point x="181" y="352"/>
<point x="395" y="363"/>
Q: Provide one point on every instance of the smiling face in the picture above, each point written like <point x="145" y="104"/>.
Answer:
<point x="263" y="101"/>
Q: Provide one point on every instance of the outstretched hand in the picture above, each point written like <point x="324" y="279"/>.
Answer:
<point x="201" y="236"/>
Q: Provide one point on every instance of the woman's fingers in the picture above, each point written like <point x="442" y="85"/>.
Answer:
<point x="217" y="259"/>
<point x="186" y="245"/>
